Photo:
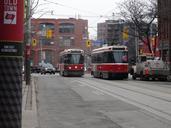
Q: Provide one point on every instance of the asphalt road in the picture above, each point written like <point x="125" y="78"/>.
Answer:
<point x="86" y="102"/>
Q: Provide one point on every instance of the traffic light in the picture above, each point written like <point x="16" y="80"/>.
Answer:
<point x="34" y="42"/>
<point x="88" y="43"/>
<point x="125" y="33"/>
<point x="49" y="33"/>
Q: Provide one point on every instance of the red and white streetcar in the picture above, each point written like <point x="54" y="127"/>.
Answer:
<point x="110" y="62"/>
<point x="71" y="62"/>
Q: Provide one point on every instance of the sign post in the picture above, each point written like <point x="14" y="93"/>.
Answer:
<point x="11" y="60"/>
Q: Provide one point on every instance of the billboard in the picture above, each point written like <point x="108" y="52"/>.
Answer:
<point x="11" y="20"/>
<point x="11" y="27"/>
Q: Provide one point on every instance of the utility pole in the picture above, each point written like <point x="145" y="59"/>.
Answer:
<point x="11" y="61"/>
<point x="169" y="22"/>
<point x="27" y="43"/>
<point x="136" y="44"/>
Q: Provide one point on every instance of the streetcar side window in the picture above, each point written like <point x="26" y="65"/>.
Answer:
<point x="99" y="58"/>
<point x="81" y="59"/>
<point x="108" y="57"/>
<point x="111" y="58"/>
<point x="105" y="57"/>
<point x="65" y="59"/>
<point x="94" y="58"/>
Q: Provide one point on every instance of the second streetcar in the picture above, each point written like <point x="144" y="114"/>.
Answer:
<point x="110" y="62"/>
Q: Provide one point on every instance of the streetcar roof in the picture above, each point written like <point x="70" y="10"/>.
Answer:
<point x="110" y="48"/>
<point x="66" y="51"/>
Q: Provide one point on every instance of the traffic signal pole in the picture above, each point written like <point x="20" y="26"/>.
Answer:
<point x="27" y="42"/>
<point x="11" y="61"/>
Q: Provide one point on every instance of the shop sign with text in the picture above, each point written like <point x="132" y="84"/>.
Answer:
<point x="11" y="27"/>
<point x="11" y="20"/>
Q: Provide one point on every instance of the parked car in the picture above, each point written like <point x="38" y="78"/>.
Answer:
<point x="35" y="69"/>
<point x="47" y="68"/>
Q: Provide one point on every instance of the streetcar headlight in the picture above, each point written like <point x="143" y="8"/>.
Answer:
<point x="69" y="67"/>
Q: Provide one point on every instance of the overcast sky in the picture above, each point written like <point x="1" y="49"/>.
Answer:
<point x="94" y="11"/>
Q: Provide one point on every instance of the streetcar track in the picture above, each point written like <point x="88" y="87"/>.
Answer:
<point x="139" y="92"/>
<point x="153" y="84"/>
<point x="142" y="82"/>
<point x="146" y="88"/>
<point x="158" y="97"/>
<point x="153" y="110"/>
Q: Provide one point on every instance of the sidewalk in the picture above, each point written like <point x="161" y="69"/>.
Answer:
<point x="29" y="107"/>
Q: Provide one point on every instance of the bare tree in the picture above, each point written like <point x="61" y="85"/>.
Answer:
<point x="29" y="11"/>
<point x="30" y="6"/>
<point x="142" y="15"/>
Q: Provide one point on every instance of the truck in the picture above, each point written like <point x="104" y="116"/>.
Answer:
<point x="150" y="67"/>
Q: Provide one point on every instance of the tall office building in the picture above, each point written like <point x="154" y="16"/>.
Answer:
<point x="164" y="19"/>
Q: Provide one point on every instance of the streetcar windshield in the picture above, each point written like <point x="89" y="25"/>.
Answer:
<point x="120" y="56"/>
<point x="75" y="59"/>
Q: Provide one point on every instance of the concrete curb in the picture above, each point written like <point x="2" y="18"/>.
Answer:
<point x="29" y="106"/>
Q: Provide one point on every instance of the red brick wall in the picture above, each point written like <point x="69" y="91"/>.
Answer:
<point x="78" y="34"/>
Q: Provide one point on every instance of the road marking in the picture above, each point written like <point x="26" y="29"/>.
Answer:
<point x="78" y="82"/>
<point x="98" y="93"/>
<point x="157" y="111"/>
<point x="142" y="90"/>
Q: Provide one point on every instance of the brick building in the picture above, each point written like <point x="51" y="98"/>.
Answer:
<point x="164" y="19"/>
<point x="51" y="36"/>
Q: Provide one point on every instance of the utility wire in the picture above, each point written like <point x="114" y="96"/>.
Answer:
<point x="104" y="16"/>
<point x="89" y="16"/>
<point x="66" y="6"/>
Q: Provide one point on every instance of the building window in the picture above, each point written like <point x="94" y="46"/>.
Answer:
<point x="46" y="56"/>
<point x="45" y="41"/>
<point x="33" y="27"/>
<point x="44" y="26"/>
<point x="66" y="28"/>
<point x="66" y="41"/>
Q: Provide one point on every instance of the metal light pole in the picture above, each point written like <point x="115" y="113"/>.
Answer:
<point x="136" y="44"/>
<point x="169" y="58"/>
<point x="169" y="14"/>
<point x="27" y="43"/>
